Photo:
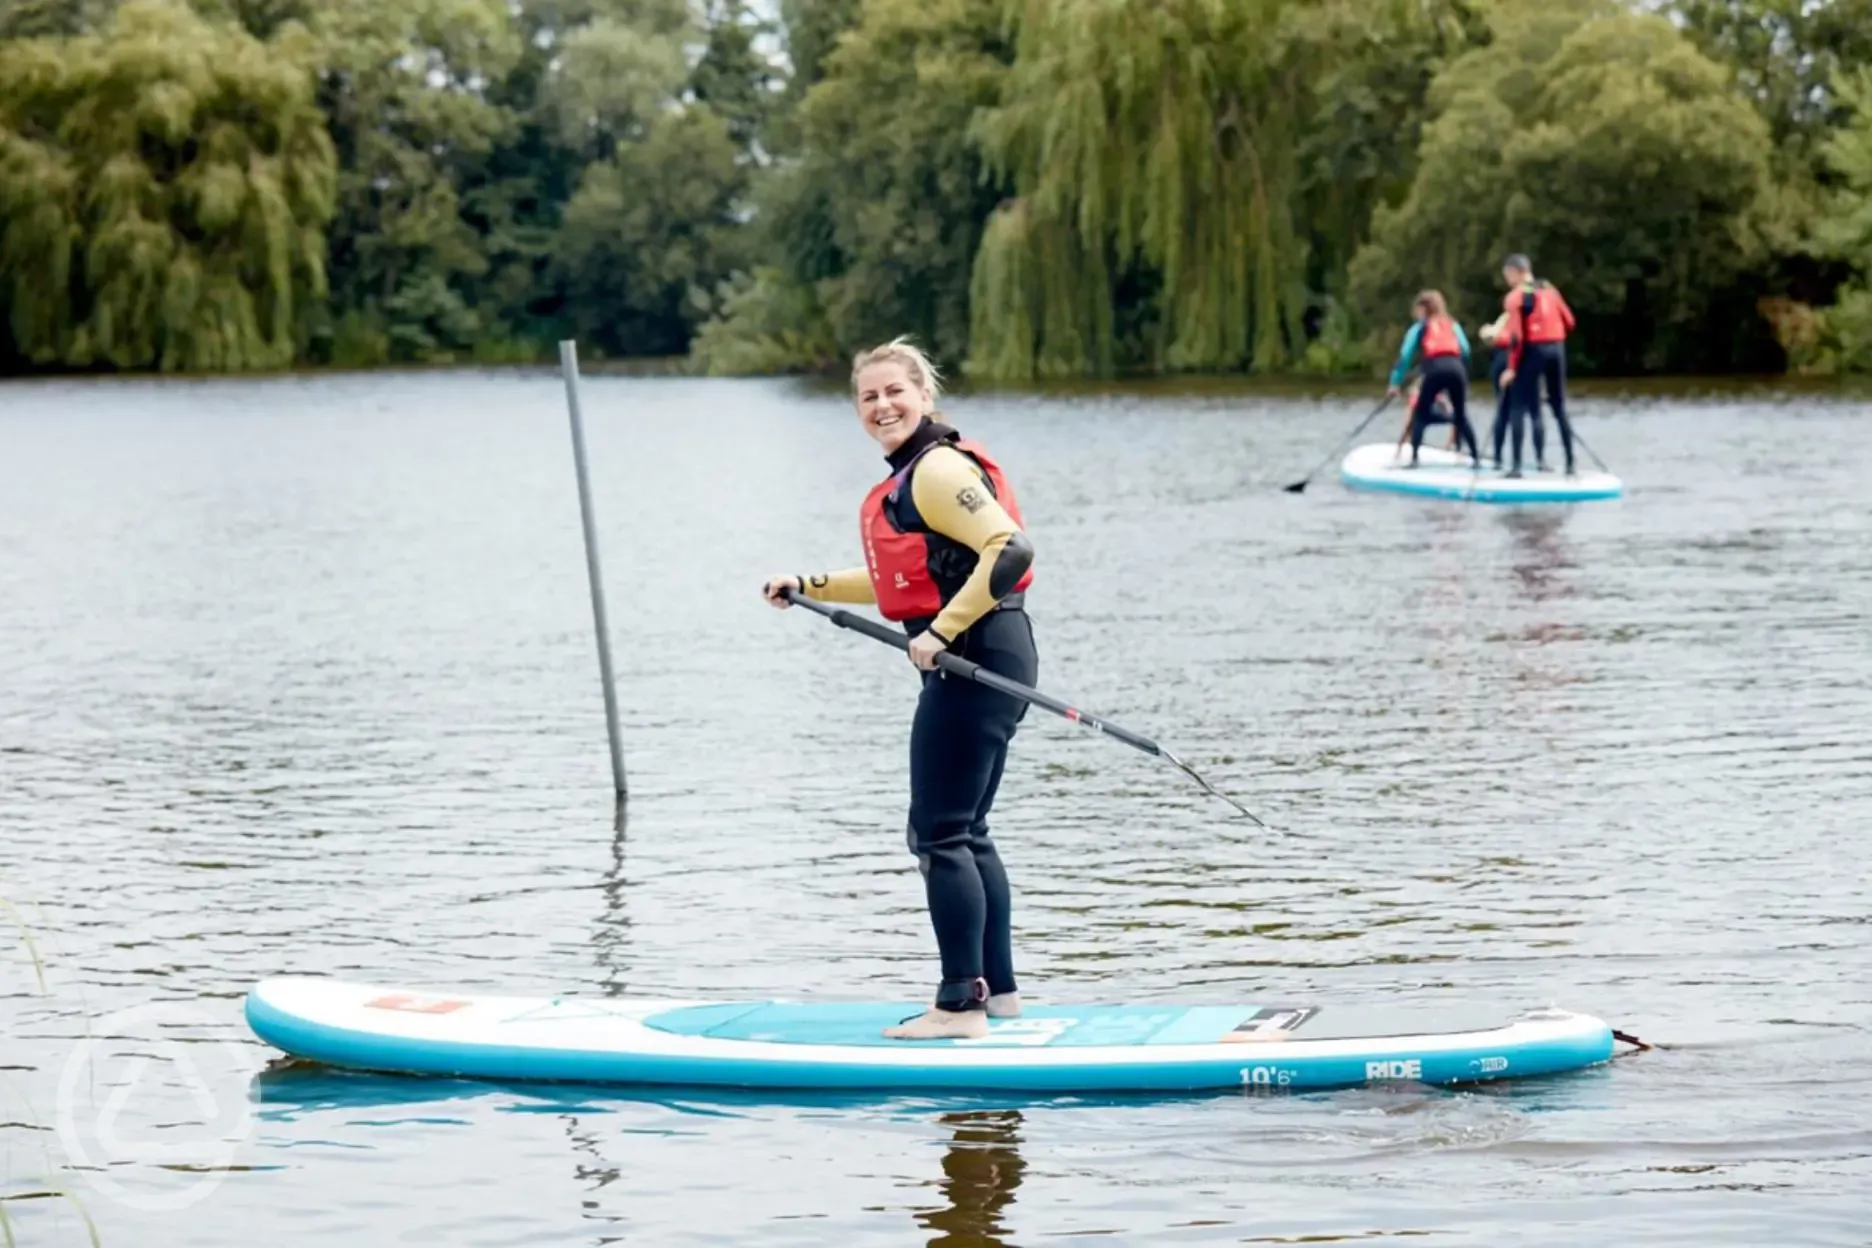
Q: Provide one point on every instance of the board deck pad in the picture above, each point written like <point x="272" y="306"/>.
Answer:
<point x="1450" y="475"/>
<point x="1062" y="1026"/>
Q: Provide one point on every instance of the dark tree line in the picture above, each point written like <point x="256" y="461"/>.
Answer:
<point x="1033" y="188"/>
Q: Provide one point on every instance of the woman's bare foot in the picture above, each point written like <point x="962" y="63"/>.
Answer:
<point x="936" y="1024"/>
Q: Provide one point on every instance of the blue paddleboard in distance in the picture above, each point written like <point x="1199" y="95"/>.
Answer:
<point x="1439" y="473"/>
<point x="840" y="1045"/>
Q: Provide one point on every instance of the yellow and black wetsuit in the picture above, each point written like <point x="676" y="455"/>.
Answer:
<point x="960" y="734"/>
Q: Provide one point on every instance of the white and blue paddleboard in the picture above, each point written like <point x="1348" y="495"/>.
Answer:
<point x="1448" y="474"/>
<point x="839" y="1045"/>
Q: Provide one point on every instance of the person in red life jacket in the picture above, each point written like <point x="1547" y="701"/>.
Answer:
<point x="1495" y="334"/>
<point x="1538" y="324"/>
<point x="947" y="556"/>
<point x="1445" y="371"/>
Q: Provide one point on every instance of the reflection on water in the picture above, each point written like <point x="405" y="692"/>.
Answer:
<point x="981" y="1169"/>
<point x="1540" y="556"/>
<point x="611" y="941"/>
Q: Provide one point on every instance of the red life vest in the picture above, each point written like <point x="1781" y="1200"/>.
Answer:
<point x="899" y="561"/>
<point x="1439" y="337"/>
<point x="1550" y="318"/>
<point x="1543" y="315"/>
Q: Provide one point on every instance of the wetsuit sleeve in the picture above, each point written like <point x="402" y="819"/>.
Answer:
<point x="847" y="585"/>
<point x="952" y="496"/>
<point x="1406" y="353"/>
<point x="1566" y="313"/>
<point x="1511" y="310"/>
<point x="1462" y="339"/>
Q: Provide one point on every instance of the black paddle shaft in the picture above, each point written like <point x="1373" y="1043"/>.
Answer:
<point x="967" y="670"/>
<point x="1299" y="487"/>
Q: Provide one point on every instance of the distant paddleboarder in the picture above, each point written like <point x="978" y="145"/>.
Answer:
<point x="1445" y="370"/>
<point x="946" y="556"/>
<point x="1538" y="324"/>
<point x="1495" y="334"/>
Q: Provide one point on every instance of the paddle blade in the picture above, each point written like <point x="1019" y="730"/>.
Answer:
<point x="1298" y="487"/>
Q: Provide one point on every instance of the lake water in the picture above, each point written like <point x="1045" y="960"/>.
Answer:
<point x="299" y="676"/>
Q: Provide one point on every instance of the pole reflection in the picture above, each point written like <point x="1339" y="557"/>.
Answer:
<point x="611" y="942"/>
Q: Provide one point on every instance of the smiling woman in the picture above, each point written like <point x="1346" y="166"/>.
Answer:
<point x="945" y="556"/>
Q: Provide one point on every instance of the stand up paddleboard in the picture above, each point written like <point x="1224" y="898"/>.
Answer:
<point x="803" y="1045"/>
<point x="1447" y="474"/>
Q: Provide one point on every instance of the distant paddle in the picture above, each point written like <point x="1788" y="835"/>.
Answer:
<point x="1299" y="487"/>
<point x="973" y="671"/>
<point x="1590" y="451"/>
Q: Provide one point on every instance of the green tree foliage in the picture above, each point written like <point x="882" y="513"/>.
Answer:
<point x="1608" y="148"/>
<point x="48" y="19"/>
<point x="877" y="219"/>
<point x="1031" y="188"/>
<point x="813" y="28"/>
<point x="1152" y="142"/>
<point x="1841" y="337"/>
<point x="905" y="193"/>
<point x="732" y="78"/>
<point x="402" y="89"/>
<point x="1191" y="177"/>
<point x="260" y="18"/>
<point x="165" y="186"/>
<point x="768" y="324"/>
<point x="1786" y="54"/>
<point x="1368" y="68"/>
<point x="611" y="79"/>
<point x="650" y="234"/>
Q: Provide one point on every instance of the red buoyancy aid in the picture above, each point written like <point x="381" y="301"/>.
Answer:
<point x="1549" y="319"/>
<point x="899" y="561"/>
<point x="1439" y="337"/>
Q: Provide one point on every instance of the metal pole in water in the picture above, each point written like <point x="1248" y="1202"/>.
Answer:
<point x="568" y="366"/>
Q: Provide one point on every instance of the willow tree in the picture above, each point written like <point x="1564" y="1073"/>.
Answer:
<point x="1151" y="145"/>
<point x="163" y="191"/>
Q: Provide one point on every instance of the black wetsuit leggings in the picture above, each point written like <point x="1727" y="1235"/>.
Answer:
<point x="958" y="746"/>
<point x="1443" y="374"/>
<point x="1542" y="360"/>
<point x="1504" y="409"/>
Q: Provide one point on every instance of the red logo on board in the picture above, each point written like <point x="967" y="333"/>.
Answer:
<point x="415" y="1005"/>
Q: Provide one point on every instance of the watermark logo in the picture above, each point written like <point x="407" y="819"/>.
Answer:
<point x="153" y="1106"/>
